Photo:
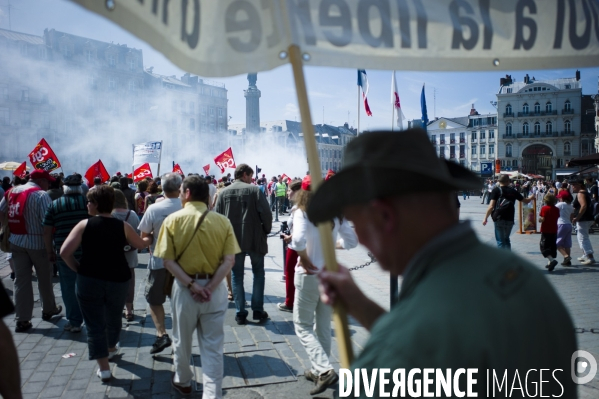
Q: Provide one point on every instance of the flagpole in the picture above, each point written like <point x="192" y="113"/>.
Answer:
<point x="326" y="239"/>
<point x="159" y="159"/>
<point x="358" y="131"/>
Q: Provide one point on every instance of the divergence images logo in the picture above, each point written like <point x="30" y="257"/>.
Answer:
<point x="583" y="366"/>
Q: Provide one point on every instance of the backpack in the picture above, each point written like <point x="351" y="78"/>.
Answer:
<point x="502" y="207"/>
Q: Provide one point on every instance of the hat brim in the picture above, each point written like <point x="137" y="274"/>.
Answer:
<point x="360" y="184"/>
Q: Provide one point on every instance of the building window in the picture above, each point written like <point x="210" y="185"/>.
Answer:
<point x="192" y="124"/>
<point x="25" y="118"/>
<point x="537" y="108"/>
<point x="433" y="138"/>
<point x="549" y="127"/>
<point x="491" y="149"/>
<point x="473" y="150"/>
<point x="525" y="129"/>
<point x="132" y="85"/>
<point x="462" y="137"/>
<point x="483" y="148"/>
<point x="537" y="129"/>
<point x="508" y="129"/>
<point x="212" y="127"/>
<point x="441" y="152"/>
<point x="482" y="134"/>
<point x="191" y="107"/>
<point x="508" y="109"/>
<point x="25" y="95"/>
<point x="585" y="147"/>
<point x="514" y="163"/>
<point x="508" y="150"/>
<point x="568" y="106"/>
<point x="212" y="112"/>
<point x="112" y="83"/>
<point x="548" y="107"/>
<point x="111" y="60"/>
<point x="66" y="51"/>
<point x="220" y="112"/>
<point x="89" y="55"/>
<point x="183" y="107"/>
<point x="473" y="136"/>
<point x="4" y="92"/>
<point x="568" y="126"/>
<point x="567" y="148"/>
<point x="525" y="108"/>
<point x="4" y="120"/>
<point x="491" y="134"/>
<point x="132" y="64"/>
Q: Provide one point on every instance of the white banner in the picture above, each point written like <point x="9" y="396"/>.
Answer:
<point x="231" y="37"/>
<point x="147" y="152"/>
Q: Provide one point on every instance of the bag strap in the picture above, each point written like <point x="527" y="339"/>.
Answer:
<point x="127" y="217"/>
<point x="194" y="233"/>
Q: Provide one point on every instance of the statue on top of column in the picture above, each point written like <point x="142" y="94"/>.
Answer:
<point x="252" y="78"/>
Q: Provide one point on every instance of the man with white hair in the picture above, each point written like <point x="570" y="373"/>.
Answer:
<point x="26" y="206"/>
<point x="150" y="225"/>
<point x="61" y="217"/>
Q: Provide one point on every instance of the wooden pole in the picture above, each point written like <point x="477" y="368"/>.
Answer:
<point x="328" y="247"/>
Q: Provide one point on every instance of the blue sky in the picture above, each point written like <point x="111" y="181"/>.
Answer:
<point x="333" y="89"/>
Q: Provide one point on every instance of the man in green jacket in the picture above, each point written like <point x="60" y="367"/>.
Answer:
<point x="499" y="316"/>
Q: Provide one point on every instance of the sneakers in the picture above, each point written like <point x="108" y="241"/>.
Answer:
<point x="587" y="261"/>
<point x="324" y="381"/>
<point x="284" y="308"/>
<point x="260" y="316"/>
<point x="567" y="261"/>
<point x="581" y="258"/>
<point x="113" y="353"/>
<point x="104" y="375"/>
<point x="161" y="344"/>
<point x="179" y="388"/>
<point x="48" y="316"/>
<point x="241" y="320"/>
<point x="71" y="328"/>
<point x="551" y="265"/>
<point x="23" y="326"/>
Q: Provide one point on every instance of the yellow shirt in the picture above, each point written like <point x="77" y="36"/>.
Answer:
<point x="209" y="245"/>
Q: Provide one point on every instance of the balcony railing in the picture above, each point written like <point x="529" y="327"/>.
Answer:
<point x="521" y="114"/>
<point x="508" y="114"/>
<point x="482" y="140"/>
<point x="567" y="133"/>
<point x="452" y="141"/>
<point x="442" y="141"/>
<point x="452" y="156"/>
<point x="462" y="155"/>
<point x="567" y="111"/>
<point x="462" y="140"/>
<point x="508" y="136"/>
<point x="536" y="135"/>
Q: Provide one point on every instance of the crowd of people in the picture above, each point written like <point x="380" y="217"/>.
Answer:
<point x="454" y="311"/>
<point x="199" y="232"/>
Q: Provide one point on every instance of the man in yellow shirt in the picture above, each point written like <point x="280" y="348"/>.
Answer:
<point x="199" y="259"/>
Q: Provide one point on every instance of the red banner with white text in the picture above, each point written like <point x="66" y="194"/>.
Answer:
<point x="42" y="157"/>
<point x="225" y="160"/>
<point x="142" y="172"/>
<point x="21" y="170"/>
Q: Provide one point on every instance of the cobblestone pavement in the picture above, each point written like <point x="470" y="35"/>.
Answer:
<point x="260" y="360"/>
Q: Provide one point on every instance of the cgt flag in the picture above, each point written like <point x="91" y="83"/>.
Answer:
<point x="96" y="170"/>
<point x="206" y="169"/>
<point x="142" y="172"/>
<point x="42" y="157"/>
<point x="20" y="171"/>
<point x="225" y="160"/>
<point x="177" y="169"/>
<point x="286" y="178"/>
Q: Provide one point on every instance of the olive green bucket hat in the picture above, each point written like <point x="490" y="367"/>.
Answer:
<point x="385" y="164"/>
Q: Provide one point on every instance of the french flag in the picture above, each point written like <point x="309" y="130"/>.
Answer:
<point x="363" y="83"/>
<point x="395" y="101"/>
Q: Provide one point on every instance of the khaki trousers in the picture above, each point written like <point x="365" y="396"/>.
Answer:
<point x="23" y="260"/>
<point x="208" y="319"/>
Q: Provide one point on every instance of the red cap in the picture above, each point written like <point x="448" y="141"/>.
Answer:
<point x="42" y="174"/>
<point x="306" y="183"/>
<point x="564" y="194"/>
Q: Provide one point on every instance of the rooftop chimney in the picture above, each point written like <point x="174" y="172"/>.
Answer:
<point x="577" y="76"/>
<point x="473" y="111"/>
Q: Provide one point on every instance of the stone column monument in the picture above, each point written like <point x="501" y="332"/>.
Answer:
<point x="252" y="105"/>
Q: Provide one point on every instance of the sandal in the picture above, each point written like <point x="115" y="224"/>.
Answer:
<point x="129" y="316"/>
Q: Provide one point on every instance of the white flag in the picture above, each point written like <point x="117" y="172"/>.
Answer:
<point x="395" y="102"/>
<point x="147" y="152"/>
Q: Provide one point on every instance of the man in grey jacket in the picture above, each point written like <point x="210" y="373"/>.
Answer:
<point x="248" y="210"/>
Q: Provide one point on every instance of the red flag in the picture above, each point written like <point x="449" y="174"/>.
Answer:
<point x="96" y="170"/>
<point x="142" y="172"/>
<point x="285" y="177"/>
<point x="20" y="171"/>
<point x="42" y="157"/>
<point x="206" y="169"/>
<point x="177" y="169"/>
<point x="225" y="160"/>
